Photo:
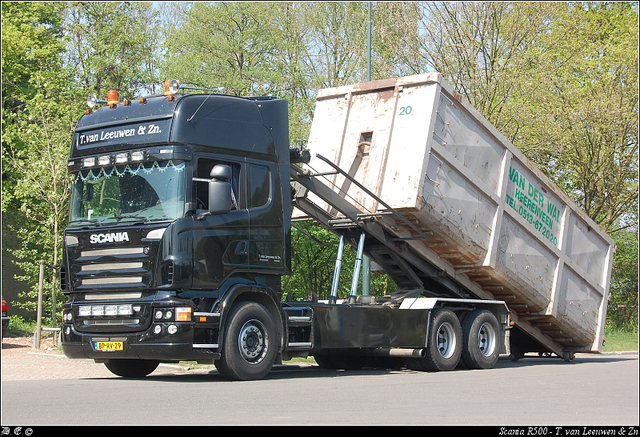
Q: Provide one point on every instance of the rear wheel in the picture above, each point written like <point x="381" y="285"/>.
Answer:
<point x="131" y="368"/>
<point x="249" y="348"/>
<point x="444" y="343"/>
<point x="481" y="333"/>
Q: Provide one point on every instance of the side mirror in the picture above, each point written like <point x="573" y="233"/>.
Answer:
<point x="220" y="190"/>
<point x="220" y="171"/>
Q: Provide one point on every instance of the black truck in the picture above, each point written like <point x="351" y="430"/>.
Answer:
<point x="179" y="234"/>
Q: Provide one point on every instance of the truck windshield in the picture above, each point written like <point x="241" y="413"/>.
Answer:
<point x="150" y="191"/>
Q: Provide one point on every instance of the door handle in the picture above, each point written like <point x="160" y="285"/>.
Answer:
<point x="242" y="248"/>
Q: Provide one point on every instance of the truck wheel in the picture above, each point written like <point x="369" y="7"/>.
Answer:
<point x="444" y="343"/>
<point x="131" y="368"/>
<point x="249" y="348"/>
<point x="480" y="332"/>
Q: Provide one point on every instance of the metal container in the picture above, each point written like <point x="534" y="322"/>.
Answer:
<point x="496" y="223"/>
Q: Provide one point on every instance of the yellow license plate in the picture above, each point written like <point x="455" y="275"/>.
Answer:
<point x="108" y="345"/>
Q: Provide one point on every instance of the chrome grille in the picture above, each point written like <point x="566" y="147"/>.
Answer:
<point x="112" y="268"/>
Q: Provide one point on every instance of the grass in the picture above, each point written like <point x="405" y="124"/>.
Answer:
<point x="617" y="341"/>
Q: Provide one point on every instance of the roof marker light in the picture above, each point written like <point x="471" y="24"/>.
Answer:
<point x="121" y="158"/>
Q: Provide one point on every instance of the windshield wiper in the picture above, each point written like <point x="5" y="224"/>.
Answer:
<point x="92" y="221"/>
<point x="142" y="219"/>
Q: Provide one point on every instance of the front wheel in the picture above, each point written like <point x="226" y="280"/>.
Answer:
<point x="131" y="368"/>
<point x="249" y="348"/>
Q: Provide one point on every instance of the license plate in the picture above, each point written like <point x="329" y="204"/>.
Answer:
<point x="108" y="345"/>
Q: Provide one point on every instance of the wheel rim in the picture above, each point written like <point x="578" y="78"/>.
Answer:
<point x="486" y="339"/>
<point x="253" y="341"/>
<point x="446" y="340"/>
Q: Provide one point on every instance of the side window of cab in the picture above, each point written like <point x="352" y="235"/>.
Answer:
<point x="260" y="190"/>
<point x="201" y="189"/>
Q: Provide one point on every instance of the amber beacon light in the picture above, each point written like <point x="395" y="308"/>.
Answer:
<point x="112" y="98"/>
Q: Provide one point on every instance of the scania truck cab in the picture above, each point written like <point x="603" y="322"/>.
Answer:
<point x="178" y="214"/>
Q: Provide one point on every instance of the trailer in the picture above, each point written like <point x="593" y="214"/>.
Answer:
<point x="180" y="232"/>
<point x="468" y="203"/>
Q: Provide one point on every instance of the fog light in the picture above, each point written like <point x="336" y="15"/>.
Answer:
<point x="121" y="158"/>
<point x="67" y="330"/>
<point x="157" y="329"/>
<point x="137" y="156"/>
<point x="172" y="329"/>
<point x="104" y="160"/>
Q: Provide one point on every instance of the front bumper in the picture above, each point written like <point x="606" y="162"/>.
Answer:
<point x="145" y="345"/>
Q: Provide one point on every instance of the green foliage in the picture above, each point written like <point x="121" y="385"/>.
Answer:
<point x="19" y="327"/>
<point x="623" y="304"/>
<point x="112" y="45"/>
<point x="31" y="42"/>
<point x="313" y="259"/>
<point x="620" y="340"/>
<point x="580" y="120"/>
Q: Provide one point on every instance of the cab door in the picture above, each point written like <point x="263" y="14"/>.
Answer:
<point x="220" y="242"/>
<point x="266" y="248"/>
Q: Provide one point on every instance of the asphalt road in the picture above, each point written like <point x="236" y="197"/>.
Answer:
<point x="592" y="390"/>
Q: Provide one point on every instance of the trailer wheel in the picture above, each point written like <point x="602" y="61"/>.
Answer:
<point x="131" y="368"/>
<point x="249" y="348"/>
<point x="480" y="332"/>
<point x="444" y="343"/>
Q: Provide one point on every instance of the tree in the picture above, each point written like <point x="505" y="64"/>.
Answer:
<point x="481" y="48"/>
<point x="113" y="45"/>
<point x="33" y="184"/>
<point x="45" y="130"/>
<point x="623" y="303"/>
<point x="581" y="125"/>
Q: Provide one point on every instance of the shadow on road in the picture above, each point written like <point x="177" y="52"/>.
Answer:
<point x="283" y="372"/>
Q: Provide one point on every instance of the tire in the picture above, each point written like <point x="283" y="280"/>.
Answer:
<point x="131" y="368"/>
<point x="444" y="343"/>
<point x="481" y="335"/>
<point x="249" y="348"/>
